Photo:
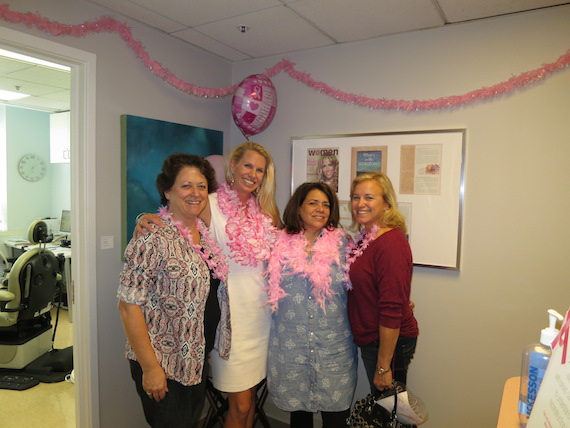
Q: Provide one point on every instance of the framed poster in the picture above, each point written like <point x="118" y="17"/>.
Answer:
<point x="145" y="145"/>
<point x="426" y="169"/>
<point x="368" y="159"/>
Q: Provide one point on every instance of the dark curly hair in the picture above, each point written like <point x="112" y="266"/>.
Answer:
<point x="172" y="166"/>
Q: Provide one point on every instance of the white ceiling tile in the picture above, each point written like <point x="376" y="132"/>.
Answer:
<point x="7" y="84"/>
<point x="41" y="103"/>
<point x="142" y="14"/>
<point x="271" y="31"/>
<point x="365" y="19"/>
<point x="465" y="10"/>
<point x="207" y="43"/>
<point x="8" y="65"/>
<point x="199" y="12"/>
<point x="56" y="78"/>
<point x="63" y="96"/>
<point x="30" y="88"/>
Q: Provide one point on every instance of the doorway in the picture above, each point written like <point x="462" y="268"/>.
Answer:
<point x="82" y="120"/>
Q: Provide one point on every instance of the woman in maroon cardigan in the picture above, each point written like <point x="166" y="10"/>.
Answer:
<point x="379" y="308"/>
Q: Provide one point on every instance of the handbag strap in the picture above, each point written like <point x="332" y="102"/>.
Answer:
<point x="394" y="385"/>
<point x="395" y="409"/>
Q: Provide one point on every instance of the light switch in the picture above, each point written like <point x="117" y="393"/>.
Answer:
<point x="107" y="242"/>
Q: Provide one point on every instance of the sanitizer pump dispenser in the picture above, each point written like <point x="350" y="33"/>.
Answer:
<point x="535" y="358"/>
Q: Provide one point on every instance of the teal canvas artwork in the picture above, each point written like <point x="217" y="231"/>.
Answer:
<point x="145" y="145"/>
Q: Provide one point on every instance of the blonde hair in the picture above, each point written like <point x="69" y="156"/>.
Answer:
<point x="392" y="217"/>
<point x="321" y="175"/>
<point x="265" y="194"/>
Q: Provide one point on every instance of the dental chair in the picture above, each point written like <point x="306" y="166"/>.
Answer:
<point x="27" y="294"/>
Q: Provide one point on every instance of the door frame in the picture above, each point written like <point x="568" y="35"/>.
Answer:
<point x="83" y="199"/>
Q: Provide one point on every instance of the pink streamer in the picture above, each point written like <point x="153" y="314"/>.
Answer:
<point x="110" y="25"/>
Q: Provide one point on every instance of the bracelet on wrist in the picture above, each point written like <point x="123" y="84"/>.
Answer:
<point x="381" y="370"/>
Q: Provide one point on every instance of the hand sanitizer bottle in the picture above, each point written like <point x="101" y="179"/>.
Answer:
<point x="535" y="358"/>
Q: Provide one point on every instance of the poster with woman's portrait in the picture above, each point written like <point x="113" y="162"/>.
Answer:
<point x="322" y="165"/>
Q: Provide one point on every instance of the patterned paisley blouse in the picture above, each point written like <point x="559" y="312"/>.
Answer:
<point x="169" y="280"/>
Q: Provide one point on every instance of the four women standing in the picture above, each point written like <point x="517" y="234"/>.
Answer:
<point x="312" y="363"/>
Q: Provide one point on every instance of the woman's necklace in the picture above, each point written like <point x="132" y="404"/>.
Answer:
<point x="290" y="253"/>
<point x="250" y="231"/>
<point x="360" y="243"/>
<point x="209" y="250"/>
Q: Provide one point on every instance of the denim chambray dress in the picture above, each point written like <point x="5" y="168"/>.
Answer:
<point x="312" y="358"/>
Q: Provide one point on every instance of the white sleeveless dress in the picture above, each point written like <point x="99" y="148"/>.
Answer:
<point x="250" y="318"/>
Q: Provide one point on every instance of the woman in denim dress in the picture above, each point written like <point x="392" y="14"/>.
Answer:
<point x="312" y="358"/>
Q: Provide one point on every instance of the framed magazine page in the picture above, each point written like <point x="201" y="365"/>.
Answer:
<point x="425" y="167"/>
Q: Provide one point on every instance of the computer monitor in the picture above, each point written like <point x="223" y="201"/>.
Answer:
<point x="65" y="222"/>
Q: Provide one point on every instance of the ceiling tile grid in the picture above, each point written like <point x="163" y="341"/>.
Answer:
<point x="281" y="26"/>
<point x="365" y="19"/>
<point x="271" y="31"/>
<point x="199" y="12"/>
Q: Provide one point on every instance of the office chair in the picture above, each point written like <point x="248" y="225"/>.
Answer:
<point x="27" y="295"/>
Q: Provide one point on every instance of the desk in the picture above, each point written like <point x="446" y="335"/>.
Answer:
<point x="508" y="414"/>
<point x="18" y="247"/>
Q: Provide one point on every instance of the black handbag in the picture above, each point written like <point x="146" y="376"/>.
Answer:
<point x="367" y="413"/>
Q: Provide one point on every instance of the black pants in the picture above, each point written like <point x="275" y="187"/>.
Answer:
<point x="302" y="419"/>
<point x="180" y="408"/>
<point x="403" y="354"/>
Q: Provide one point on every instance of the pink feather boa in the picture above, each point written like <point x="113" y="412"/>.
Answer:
<point x="289" y="253"/>
<point x="250" y="231"/>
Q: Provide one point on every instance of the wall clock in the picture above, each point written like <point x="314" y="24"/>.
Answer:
<point x="32" y="167"/>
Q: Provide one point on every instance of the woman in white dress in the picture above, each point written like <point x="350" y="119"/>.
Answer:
<point x="243" y="217"/>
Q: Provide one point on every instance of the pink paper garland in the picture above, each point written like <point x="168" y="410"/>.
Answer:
<point x="110" y="25"/>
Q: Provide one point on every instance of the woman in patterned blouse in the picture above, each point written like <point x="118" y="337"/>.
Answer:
<point x="163" y="294"/>
<point x="312" y="358"/>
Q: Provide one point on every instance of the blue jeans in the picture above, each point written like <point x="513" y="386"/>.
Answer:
<point x="403" y="354"/>
<point x="180" y="408"/>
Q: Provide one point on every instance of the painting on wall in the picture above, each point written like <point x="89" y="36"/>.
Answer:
<point x="145" y="145"/>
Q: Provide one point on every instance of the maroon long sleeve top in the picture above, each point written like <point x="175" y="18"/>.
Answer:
<point x="381" y="279"/>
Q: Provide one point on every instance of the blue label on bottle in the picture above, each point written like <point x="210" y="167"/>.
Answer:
<point x="537" y="367"/>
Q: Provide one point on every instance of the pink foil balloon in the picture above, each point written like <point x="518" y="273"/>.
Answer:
<point x="254" y="104"/>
